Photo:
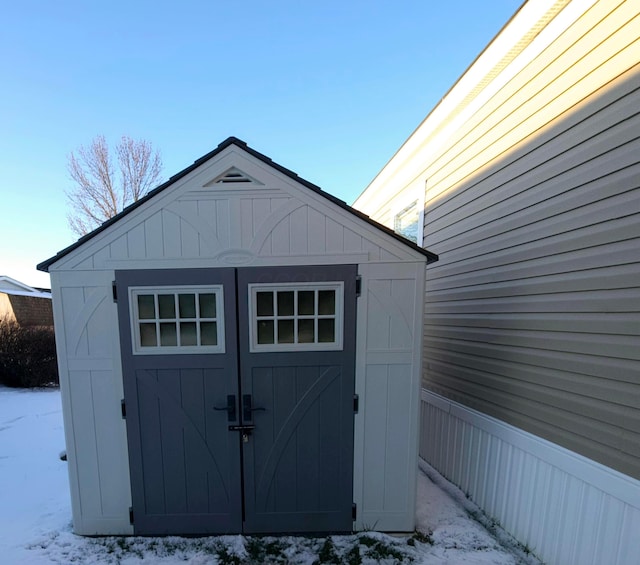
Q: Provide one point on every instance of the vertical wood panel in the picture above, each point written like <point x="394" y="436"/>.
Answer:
<point x="108" y="437"/>
<point x="173" y="234"/>
<point x="223" y="220"/>
<point x="84" y="426"/>
<point x="375" y="425"/>
<point x="299" y="231"/>
<point x="335" y="236"/>
<point x="154" y="236"/>
<point x="136" y="245"/>
<point x="397" y="448"/>
<point x="317" y="233"/>
<point x="189" y="240"/>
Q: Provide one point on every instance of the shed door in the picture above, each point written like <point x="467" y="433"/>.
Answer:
<point x="239" y="392"/>
<point x="297" y="358"/>
<point x="178" y="341"/>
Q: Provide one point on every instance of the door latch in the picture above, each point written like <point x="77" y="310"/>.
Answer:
<point x="230" y="408"/>
<point x="247" y="408"/>
<point x="244" y="428"/>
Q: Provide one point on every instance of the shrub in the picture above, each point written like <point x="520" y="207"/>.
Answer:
<point x="27" y="355"/>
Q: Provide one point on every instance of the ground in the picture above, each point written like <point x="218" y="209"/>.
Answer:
<point x="35" y="515"/>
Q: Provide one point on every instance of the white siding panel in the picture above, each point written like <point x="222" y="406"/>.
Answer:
<point x="566" y="508"/>
<point x="136" y="245"/>
<point x="154" y="236"/>
<point x="86" y="461"/>
<point x="317" y="233"/>
<point x="91" y="386"/>
<point x="387" y="383"/>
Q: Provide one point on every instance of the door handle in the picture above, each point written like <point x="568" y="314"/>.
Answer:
<point x="230" y="408"/>
<point x="247" y="408"/>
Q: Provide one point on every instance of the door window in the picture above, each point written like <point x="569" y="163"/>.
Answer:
<point x="296" y="316"/>
<point x="187" y="319"/>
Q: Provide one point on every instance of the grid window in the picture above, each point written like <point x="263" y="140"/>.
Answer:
<point x="296" y="317"/>
<point x="177" y="320"/>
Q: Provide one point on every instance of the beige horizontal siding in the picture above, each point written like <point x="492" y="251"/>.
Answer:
<point x="533" y="311"/>
<point x="594" y="51"/>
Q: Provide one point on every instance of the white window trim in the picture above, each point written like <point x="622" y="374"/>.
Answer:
<point x="134" y="319"/>
<point x="337" y="345"/>
<point x="417" y="197"/>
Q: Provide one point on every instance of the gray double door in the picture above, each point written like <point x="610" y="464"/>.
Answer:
<point x="248" y="439"/>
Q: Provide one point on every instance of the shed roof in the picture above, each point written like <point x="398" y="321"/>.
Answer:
<point x="44" y="266"/>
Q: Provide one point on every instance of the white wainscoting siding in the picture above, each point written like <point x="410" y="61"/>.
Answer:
<point x="565" y="508"/>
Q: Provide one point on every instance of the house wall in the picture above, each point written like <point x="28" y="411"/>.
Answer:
<point x="533" y="309"/>
<point x="26" y="310"/>
<point x="32" y="310"/>
<point x="6" y="310"/>
<point x="532" y="194"/>
<point x="200" y="224"/>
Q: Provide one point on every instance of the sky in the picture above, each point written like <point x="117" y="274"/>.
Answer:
<point x="328" y="89"/>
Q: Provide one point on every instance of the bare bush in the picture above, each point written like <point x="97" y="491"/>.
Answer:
<point x="27" y="355"/>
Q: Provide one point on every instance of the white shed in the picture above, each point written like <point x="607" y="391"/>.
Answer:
<point x="240" y="352"/>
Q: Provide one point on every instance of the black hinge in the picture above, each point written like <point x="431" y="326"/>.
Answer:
<point x="358" y="285"/>
<point x="356" y="403"/>
<point x="354" y="511"/>
<point x="114" y="291"/>
<point x="130" y="514"/>
<point x="123" y="409"/>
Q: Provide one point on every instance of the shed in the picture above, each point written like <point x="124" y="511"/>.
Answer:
<point x="240" y="352"/>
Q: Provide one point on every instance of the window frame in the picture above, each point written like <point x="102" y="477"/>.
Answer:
<point x="134" y="318"/>
<point x="338" y="317"/>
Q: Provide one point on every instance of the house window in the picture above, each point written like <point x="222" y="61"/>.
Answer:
<point x="406" y="222"/>
<point x="186" y="319"/>
<point x="296" y="316"/>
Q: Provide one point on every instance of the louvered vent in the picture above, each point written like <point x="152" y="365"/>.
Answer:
<point x="232" y="176"/>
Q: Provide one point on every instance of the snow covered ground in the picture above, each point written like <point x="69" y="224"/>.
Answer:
<point x="35" y="515"/>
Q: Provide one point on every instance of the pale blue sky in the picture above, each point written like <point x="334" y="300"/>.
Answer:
<point x="328" y="89"/>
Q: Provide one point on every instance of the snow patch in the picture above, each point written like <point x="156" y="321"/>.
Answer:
<point x="35" y="515"/>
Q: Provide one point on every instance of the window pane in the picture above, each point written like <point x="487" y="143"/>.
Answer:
<point x="209" y="333"/>
<point x="305" y="331"/>
<point x="146" y="307"/>
<point x="306" y="304"/>
<point x="168" y="336"/>
<point x="265" y="304"/>
<point x="188" y="335"/>
<point x="327" y="302"/>
<point x="148" y="335"/>
<point x="326" y="330"/>
<point x="207" y="305"/>
<point x="406" y="222"/>
<point x="265" y="331"/>
<point x="285" y="331"/>
<point x="166" y="306"/>
<point x="285" y="303"/>
<point x="187" y="305"/>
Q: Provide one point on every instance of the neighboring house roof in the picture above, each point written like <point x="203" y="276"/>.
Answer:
<point x="16" y="288"/>
<point x="44" y="266"/>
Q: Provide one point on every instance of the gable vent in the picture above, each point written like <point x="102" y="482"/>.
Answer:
<point x="232" y="176"/>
